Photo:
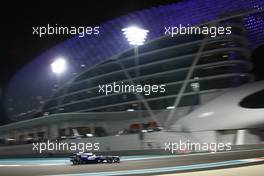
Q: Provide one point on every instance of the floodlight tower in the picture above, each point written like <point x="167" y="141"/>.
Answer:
<point x="58" y="67"/>
<point x="136" y="37"/>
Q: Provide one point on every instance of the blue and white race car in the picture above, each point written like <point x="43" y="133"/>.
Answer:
<point x="87" y="158"/>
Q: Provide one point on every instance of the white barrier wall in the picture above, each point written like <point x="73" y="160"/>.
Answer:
<point x="154" y="140"/>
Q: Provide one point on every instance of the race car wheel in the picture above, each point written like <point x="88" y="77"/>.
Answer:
<point x="116" y="160"/>
<point x="109" y="160"/>
<point x="74" y="162"/>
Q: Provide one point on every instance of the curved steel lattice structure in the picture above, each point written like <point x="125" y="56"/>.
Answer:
<point x="224" y="63"/>
<point x="224" y="60"/>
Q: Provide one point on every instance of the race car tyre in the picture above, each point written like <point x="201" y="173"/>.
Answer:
<point x="74" y="162"/>
<point x="109" y="160"/>
<point x="116" y="160"/>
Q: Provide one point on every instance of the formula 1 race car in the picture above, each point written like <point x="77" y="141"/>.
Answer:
<point x="88" y="158"/>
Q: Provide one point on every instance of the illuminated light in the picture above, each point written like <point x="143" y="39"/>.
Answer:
<point x="195" y="86"/>
<point x="59" y="66"/>
<point x="89" y="135"/>
<point x="170" y="107"/>
<point x="61" y="109"/>
<point x="130" y="110"/>
<point x="28" y="138"/>
<point x="46" y="113"/>
<point x="206" y="114"/>
<point x="135" y="35"/>
<point x="10" y="139"/>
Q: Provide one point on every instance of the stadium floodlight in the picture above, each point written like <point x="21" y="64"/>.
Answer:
<point x="135" y="35"/>
<point x="59" y="66"/>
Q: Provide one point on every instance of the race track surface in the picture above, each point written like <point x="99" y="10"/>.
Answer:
<point x="132" y="165"/>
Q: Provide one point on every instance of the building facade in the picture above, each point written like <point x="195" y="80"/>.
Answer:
<point x="196" y="70"/>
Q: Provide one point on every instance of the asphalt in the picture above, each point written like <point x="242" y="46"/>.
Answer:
<point x="133" y="165"/>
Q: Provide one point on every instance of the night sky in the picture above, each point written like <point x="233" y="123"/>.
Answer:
<point x="19" y="46"/>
